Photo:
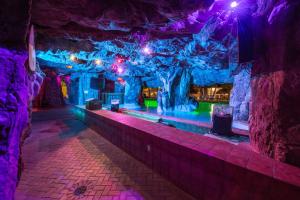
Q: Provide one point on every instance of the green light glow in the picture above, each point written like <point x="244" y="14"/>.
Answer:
<point x="150" y="103"/>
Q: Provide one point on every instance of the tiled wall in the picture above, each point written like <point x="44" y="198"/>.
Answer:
<point x="202" y="166"/>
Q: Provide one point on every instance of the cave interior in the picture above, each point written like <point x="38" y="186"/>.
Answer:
<point x="169" y="58"/>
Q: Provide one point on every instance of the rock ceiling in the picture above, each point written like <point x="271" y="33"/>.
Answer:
<point x="146" y="35"/>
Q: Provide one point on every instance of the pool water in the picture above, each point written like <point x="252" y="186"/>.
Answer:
<point x="235" y="139"/>
<point x="185" y="126"/>
<point x="202" y="113"/>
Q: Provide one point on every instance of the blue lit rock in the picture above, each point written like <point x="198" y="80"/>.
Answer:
<point x="174" y="63"/>
<point x="133" y="86"/>
<point x="81" y="88"/>
<point x="241" y="93"/>
<point x="182" y="100"/>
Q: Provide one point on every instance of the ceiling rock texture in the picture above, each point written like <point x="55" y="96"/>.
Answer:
<point x="180" y="36"/>
<point x="108" y="29"/>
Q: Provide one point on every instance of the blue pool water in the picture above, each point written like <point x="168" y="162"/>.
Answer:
<point x="187" y="127"/>
<point x="202" y="113"/>
<point x="204" y="131"/>
<point x="204" y="116"/>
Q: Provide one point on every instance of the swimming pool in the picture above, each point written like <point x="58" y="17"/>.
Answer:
<point x="234" y="139"/>
<point x="202" y="113"/>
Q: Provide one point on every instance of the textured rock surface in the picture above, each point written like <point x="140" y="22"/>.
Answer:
<point x="14" y="99"/>
<point x="81" y="88"/>
<point x="177" y="35"/>
<point x="275" y="110"/>
<point x="52" y="91"/>
<point x="133" y="87"/>
<point x="202" y="42"/>
<point x="14" y="15"/>
<point x="17" y="88"/>
<point x="114" y="18"/>
<point x="241" y="94"/>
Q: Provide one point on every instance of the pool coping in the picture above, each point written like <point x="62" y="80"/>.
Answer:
<point x="193" y="122"/>
<point x="215" y="149"/>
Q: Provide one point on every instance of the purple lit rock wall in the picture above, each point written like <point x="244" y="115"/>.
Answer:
<point x="13" y="117"/>
<point x="275" y="109"/>
<point x="17" y="89"/>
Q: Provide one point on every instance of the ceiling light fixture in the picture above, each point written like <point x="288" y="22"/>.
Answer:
<point x="120" y="70"/>
<point x="147" y="50"/>
<point x="233" y="4"/>
<point x="72" y="57"/>
<point x="98" y="62"/>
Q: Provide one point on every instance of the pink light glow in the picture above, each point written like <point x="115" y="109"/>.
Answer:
<point x="120" y="70"/>
<point x="147" y="50"/>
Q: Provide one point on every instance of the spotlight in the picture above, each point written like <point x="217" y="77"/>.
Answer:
<point x="120" y="70"/>
<point x="69" y="66"/>
<point x="72" y="57"/>
<point x="147" y="50"/>
<point x="119" y="60"/>
<point x="233" y="4"/>
<point x="98" y="62"/>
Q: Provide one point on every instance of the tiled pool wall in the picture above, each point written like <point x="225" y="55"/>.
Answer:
<point x="204" y="167"/>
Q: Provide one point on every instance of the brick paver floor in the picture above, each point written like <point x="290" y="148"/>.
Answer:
<point x="63" y="159"/>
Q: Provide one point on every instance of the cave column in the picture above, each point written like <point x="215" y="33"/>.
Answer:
<point x="133" y="87"/>
<point x="275" y="85"/>
<point x="166" y="97"/>
<point x="241" y="93"/>
<point x="182" y="100"/>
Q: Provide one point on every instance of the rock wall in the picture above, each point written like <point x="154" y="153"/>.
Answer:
<point x="241" y="94"/>
<point x="52" y="94"/>
<point x="182" y="100"/>
<point x="16" y="91"/>
<point x="80" y="88"/>
<point x="275" y="108"/>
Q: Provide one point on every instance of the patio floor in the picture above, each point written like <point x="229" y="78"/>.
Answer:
<point x="64" y="159"/>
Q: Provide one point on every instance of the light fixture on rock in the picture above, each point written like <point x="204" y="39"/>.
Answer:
<point x="98" y="62"/>
<point x="72" y="57"/>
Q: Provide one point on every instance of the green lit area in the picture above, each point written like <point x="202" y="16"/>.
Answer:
<point x="150" y="103"/>
<point x="205" y="107"/>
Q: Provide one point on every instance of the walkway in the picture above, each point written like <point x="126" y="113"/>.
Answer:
<point x="66" y="160"/>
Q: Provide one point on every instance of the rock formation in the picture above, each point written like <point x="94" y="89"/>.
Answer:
<point x="241" y="93"/>
<point x="274" y="124"/>
<point x="18" y="87"/>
